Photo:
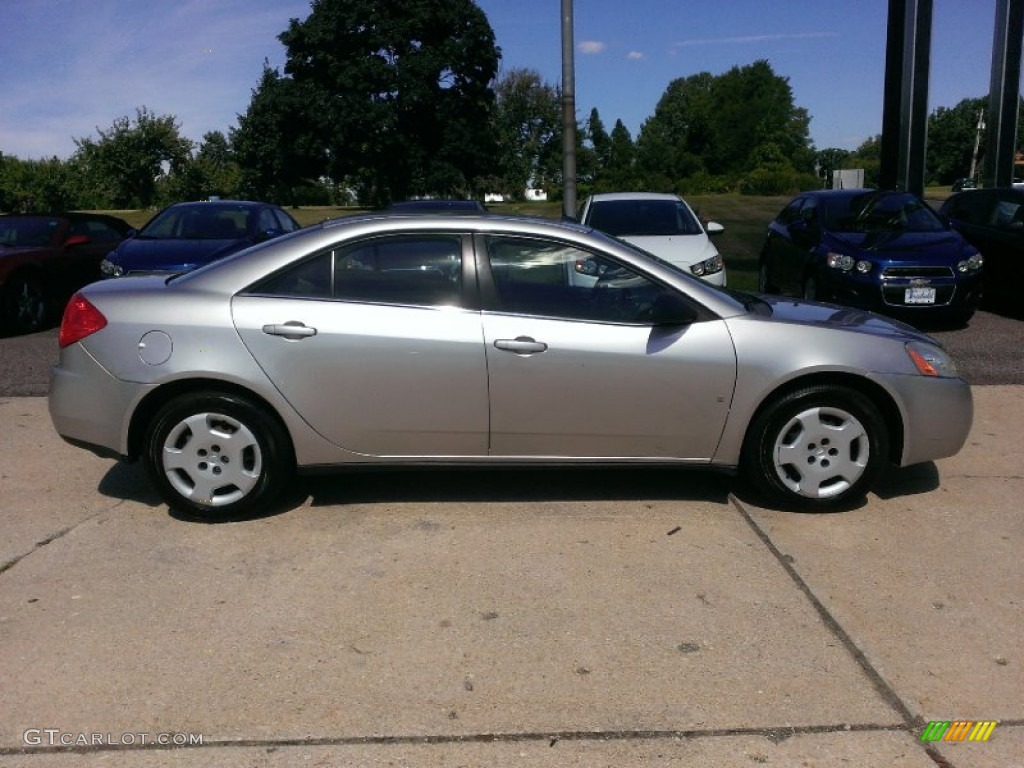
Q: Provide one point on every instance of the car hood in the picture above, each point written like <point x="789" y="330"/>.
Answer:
<point x="935" y="247"/>
<point x="683" y="250"/>
<point x="820" y="314"/>
<point x="138" y="254"/>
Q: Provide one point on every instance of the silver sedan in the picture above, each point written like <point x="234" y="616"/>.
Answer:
<point x="488" y="340"/>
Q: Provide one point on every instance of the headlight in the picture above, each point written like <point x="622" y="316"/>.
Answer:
<point x="840" y="261"/>
<point x="973" y="264"/>
<point x="931" y="360"/>
<point x="863" y="266"/>
<point x="708" y="266"/>
<point x="110" y="269"/>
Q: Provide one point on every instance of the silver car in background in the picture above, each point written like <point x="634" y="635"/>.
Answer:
<point x="488" y="340"/>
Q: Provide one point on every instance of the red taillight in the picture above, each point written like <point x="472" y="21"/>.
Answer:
<point x="81" y="319"/>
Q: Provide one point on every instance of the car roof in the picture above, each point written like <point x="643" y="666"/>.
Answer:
<point x="616" y="196"/>
<point x="449" y="205"/>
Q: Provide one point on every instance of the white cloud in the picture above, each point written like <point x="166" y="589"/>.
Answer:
<point x="635" y="56"/>
<point x="591" y="46"/>
<point x="752" y="39"/>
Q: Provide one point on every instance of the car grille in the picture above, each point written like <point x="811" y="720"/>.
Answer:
<point x="895" y="296"/>
<point x="918" y="272"/>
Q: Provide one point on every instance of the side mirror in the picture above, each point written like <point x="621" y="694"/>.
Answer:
<point x="74" y="240"/>
<point x="714" y="228"/>
<point x="671" y="309"/>
<point x="268" y="234"/>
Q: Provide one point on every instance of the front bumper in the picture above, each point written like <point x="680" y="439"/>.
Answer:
<point x="937" y="415"/>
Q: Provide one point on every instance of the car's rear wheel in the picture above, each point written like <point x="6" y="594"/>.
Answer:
<point x="217" y="456"/>
<point x="23" y="304"/>
<point x="817" y="449"/>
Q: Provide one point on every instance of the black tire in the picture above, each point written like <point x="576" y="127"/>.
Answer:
<point x="24" y="304"/>
<point x="813" y="290"/>
<point x="217" y="456"/>
<point x="816" y="449"/>
<point x="764" y="284"/>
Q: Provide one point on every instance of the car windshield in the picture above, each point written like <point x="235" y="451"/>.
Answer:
<point x="625" y="218"/>
<point x="881" y="212"/>
<point x="27" y="231"/>
<point x="198" y="222"/>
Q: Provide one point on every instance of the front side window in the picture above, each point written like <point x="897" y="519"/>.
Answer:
<point x="552" y="279"/>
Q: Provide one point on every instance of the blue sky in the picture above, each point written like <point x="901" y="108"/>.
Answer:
<point x="70" y="66"/>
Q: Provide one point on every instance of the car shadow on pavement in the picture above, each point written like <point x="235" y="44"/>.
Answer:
<point x="908" y="481"/>
<point x="503" y="485"/>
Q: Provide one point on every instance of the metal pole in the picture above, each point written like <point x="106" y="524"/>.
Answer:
<point x="568" y="114"/>
<point x="1003" y="96"/>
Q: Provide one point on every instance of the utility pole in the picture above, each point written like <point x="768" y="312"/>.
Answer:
<point x="568" y="114"/>
<point x="977" y="142"/>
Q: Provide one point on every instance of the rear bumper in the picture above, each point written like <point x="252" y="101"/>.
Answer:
<point x="88" y="406"/>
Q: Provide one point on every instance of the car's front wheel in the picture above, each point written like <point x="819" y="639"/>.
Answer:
<point x="764" y="283"/>
<point x="817" y="449"/>
<point x="217" y="456"/>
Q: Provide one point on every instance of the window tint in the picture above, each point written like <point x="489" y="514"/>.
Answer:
<point x="95" y="229"/>
<point x="538" y="277"/>
<point x="420" y="270"/>
<point x="285" y="222"/>
<point x="1009" y="214"/>
<point x="415" y="269"/>
<point x="266" y="220"/>
<point x="973" y="208"/>
<point x="791" y="212"/>
<point x="623" y="218"/>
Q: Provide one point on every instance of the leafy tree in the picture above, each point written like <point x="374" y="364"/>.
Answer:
<point x="951" y="136"/>
<point x="869" y="157"/>
<point x="721" y="125"/>
<point x="620" y="169"/>
<point x="674" y="142"/>
<point x="390" y="96"/>
<point x="39" y="186"/>
<point x="128" y="159"/>
<point x="279" y="141"/>
<point x="830" y="160"/>
<point x="527" y="121"/>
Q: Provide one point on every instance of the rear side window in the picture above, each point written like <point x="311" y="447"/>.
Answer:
<point x="417" y="270"/>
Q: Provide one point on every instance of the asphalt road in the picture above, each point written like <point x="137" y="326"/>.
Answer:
<point x="987" y="351"/>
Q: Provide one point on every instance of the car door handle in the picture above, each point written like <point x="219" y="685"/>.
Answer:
<point x="521" y="345"/>
<point x="291" y="330"/>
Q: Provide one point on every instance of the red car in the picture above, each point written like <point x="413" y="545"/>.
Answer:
<point x="46" y="258"/>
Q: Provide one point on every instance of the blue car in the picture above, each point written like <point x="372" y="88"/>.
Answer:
<point x="185" y="236"/>
<point x="871" y="249"/>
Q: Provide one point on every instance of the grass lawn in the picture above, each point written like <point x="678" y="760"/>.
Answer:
<point x="744" y="217"/>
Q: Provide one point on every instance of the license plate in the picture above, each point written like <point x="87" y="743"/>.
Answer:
<point x="919" y="296"/>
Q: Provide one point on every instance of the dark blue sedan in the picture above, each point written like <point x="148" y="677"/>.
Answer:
<point x="884" y="251"/>
<point x="185" y="236"/>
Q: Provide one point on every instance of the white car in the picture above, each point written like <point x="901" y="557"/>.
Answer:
<point x="660" y="224"/>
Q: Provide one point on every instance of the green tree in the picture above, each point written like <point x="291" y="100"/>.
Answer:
<point x="280" y="140"/>
<point x="721" y="125"/>
<point x="392" y="97"/>
<point x="620" y="170"/>
<point x="831" y="159"/>
<point x="951" y="136"/>
<point x="527" y="123"/>
<point x="128" y="160"/>
<point x="674" y="142"/>
<point x="869" y="157"/>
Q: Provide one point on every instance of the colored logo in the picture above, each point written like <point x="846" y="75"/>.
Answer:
<point x="958" y="730"/>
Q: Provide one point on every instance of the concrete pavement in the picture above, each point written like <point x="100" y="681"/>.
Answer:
<point x="510" y="618"/>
